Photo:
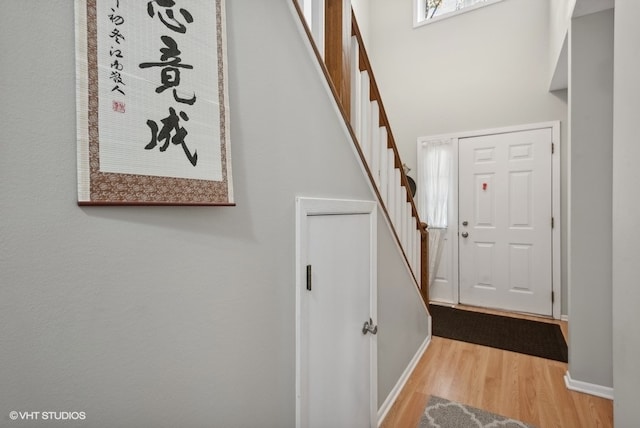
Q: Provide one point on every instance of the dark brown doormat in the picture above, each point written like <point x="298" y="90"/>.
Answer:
<point x="539" y="339"/>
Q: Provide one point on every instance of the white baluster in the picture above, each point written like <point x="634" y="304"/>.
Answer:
<point x="413" y="245"/>
<point x="403" y="219"/>
<point x="403" y="223"/>
<point x="365" y="115"/>
<point x="409" y="231"/>
<point x="397" y="208"/>
<point x="384" y="164"/>
<point x="418" y="253"/>
<point x="412" y="226"/>
<point x="374" y="156"/>
<point x="356" y="88"/>
<point x="391" y="195"/>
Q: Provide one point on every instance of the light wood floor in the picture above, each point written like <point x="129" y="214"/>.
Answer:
<point x="518" y="386"/>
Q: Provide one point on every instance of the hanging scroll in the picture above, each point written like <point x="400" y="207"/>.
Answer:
<point x="152" y="103"/>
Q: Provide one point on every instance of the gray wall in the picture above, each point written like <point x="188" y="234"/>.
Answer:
<point x="482" y="69"/>
<point x="591" y="172"/>
<point x="170" y="316"/>
<point x="559" y="18"/>
<point x="626" y="211"/>
<point x="402" y="323"/>
<point x="362" y="11"/>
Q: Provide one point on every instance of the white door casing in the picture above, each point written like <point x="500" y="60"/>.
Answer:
<point x="446" y="285"/>
<point x="505" y="256"/>
<point x="336" y="364"/>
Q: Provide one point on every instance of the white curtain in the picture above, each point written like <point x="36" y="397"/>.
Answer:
<point x="436" y="179"/>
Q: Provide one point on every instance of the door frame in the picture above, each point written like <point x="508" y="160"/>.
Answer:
<point x="556" y="235"/>
<point x="306" y="207"/>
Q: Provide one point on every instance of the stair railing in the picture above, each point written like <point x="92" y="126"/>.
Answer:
<point x="346" y="66"/>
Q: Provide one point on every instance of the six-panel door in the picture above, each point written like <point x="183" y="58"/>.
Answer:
<point x="505" y="252"/>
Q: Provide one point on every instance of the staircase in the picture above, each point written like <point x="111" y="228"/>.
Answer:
<point x="337" y="42"/>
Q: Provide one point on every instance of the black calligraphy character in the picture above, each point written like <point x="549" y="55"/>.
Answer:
<point x="171" y="124"/>
<point x="115" y="52"/>
<point x="171" y="63"/>
<point x="116" y="19"/>
<point x="116" y="35"/>
<point x="116" y="76"/>
<point x="172" y="23"/>
<point x="117" y="65"/>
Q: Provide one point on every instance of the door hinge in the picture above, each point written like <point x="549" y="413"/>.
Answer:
<point x="309" y="277"/>
<point x="553" y="222"/>
<point x="553" y="297"/>
<point x="553" y="148"/>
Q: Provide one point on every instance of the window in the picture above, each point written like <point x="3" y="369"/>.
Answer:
<point x="436" y="182"/>
<point x="426" y="11"/>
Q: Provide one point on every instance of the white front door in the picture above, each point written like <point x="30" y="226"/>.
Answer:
<point x="505" y="231"/>
<point x="336" y="296"/>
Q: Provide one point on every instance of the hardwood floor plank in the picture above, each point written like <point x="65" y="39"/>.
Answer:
<point x="492" y="380"/>
<point x="518" y="386"/>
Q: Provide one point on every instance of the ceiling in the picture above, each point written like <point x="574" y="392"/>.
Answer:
<point x="586" y="7"/>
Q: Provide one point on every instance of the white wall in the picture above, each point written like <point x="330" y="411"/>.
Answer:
<point x="170" y="316"/>
<point x="362" y="11"/>
<point x="626" y="211"/>
<point x="591" y="172"/>
<point x="483" y="69"/>
<point x="402" y="322"/>
<point x="559" y="18"/>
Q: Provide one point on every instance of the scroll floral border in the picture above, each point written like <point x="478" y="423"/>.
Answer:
<point x="129" y="189"/>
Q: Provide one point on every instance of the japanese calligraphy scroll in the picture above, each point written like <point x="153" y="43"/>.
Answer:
<point x="152" y="103"/>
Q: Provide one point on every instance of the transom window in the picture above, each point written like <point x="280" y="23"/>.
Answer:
<point x="434" y="10"/>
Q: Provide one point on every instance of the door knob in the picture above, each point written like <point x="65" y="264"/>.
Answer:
<point x="369" y="327"/>
<point x="465" y="223"/>
<point x="465" y="234"/>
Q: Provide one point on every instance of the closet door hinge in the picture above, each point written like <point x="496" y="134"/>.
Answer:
<point x="553" y="222"/>
<point x="553" y="297"/>
<point x="309" y="277"/>
<point x="553" y="148"/>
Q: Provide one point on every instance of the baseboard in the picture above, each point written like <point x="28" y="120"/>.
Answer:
<point x="393" y="395"/>
<point x="588" y="388"/>
<point x="442" y="303"/>
<point x="564" y="318"/>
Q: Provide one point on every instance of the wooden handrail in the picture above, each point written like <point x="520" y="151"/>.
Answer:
<point x="337" y="97"/>
<point x="374" y="95"/>
<point x="365" y="65"/>
<point x="338" y="78"/>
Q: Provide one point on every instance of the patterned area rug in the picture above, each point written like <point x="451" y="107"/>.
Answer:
<point x="441" y="413"/>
